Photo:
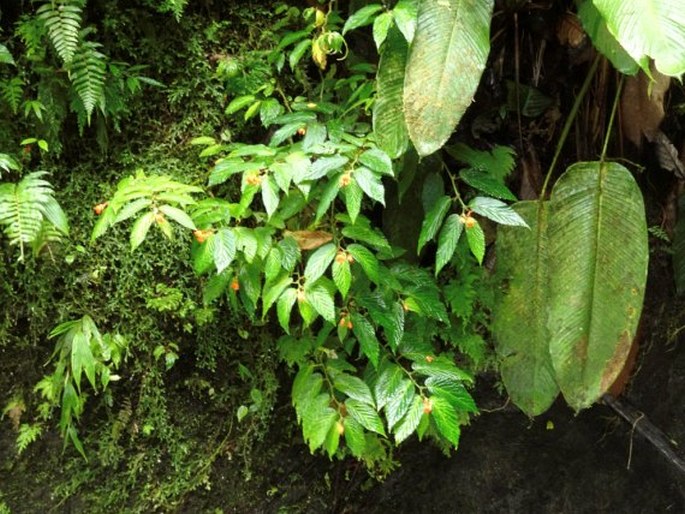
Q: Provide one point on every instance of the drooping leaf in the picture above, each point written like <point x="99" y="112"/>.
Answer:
<point x="399" y="402"/>
<point x="224" y="249"/>
<point x="366" y="335"/>
<point x="405" y="13"/>
<point x="272" y="291"/>
<point x="410" y="421"/>
<point x="389" y="126"/>
<point x="284" y="307"/>
<point x="446" y="419"/>
<point x="141" y="228"/>
<point x="497" y="211"/>
<point x="447" y="241"/>
<point x="446" y="60"/>
<point x="320" y="296"/>
<point x="381" y="26"/>
<point x="319" y="261"/>
<point x="522" y="261"/>
<point x="433" y="220"/>
<point x="476" y="238"/>
<point x="367" y="261"/>
<point x="354" y="387"/>
<point x="648" y="29"/>
<point x="354" y="437"/>
<point x="365" y="415"/>
<point x="598" y="250"/>
<point x="371" y="184"/>
<point x="342" y="276"/>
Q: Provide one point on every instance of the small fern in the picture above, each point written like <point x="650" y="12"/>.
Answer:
<point x="62" y="19"/>
<point x="25" y="206"/>
<point x="176" y="7"/>
<point x="8" y="163"/>
<point x="497" y="163"/>
<point x="11" y="92"/>
<point x="27" y="435"/>
<point x="87" y="73"/>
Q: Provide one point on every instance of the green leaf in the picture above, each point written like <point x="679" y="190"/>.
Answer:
<point x="597" y="29"/>
<point x="447" y="241"/>
<point x="526" y="365"/>
<point x="433" y="220"/>
<point x="381" y="26"/>
<point x="370" y="184"/>
<point x="496" y="211"/>
<point x="285" y="306"/>
<point x="297" y="54"/>
<point x="55" y="215"/>
<point x="270" y="195"/>
<point x="239" y="103"/>
<point x="5" y="55"/>
<point x="446" y="420"/>
<point x="272" y="291"/>
<point x="487" y="184"/>
<point x="324" y="165"/>
<point x="410" y="421"/>
<point x="141" y="228"/>
<point x="389" y="125"/>
<point x="362" y="17"/>
<point x="320" y="297"/>
<point x="366" y="335"/>
<point x="498" y="163"/>
<point x="354" y="437"/>
<point x="319" y="261"/>
<point x="476" y="239"/>
<point x="82" y="359"/>
<point x="598" y="252"/>
<point x="400" y="402"/>
<point x="353" y="199"/>
<point x="342" y="276"/>
<point x="405" y="13"/>
<point x="365" y="415"/>
<point x="354" y="387"/>
<point x="454" y="392"/>
<point x="332" y="439"/>
<point x="178" y="216"/>
<point x="315" y="136"/>
<point x="389" y="378"/>
<point x="368" y="235"/>
<point x="367" y="260"/>
<point x="377" y="161"/>
<point x="215" y="287"/>
<point x="271" y="109"/>
<point x="446" y="60"/>
<point x="443" y="368"/>
<point x="317" y="419"/>
<point x="224" y="249"/>
<point x="329" y="193"/>
<point x="648" y="28"/>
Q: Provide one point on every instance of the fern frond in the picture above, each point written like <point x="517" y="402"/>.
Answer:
<point x="25" y="206"/>
<point x="174" y="6"/>
<point x="27" y="435"/>
<point x="62" y="19"/>
<point x="87" y="73"/>
<point x="11" y="91"/>
<point x="497" y="163"/>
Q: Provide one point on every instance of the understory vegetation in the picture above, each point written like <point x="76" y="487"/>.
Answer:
<point x="234" y="231"/>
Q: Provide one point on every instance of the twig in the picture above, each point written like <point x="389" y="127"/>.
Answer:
<point x="641" y="423"/>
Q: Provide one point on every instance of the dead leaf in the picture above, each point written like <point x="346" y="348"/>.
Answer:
<point x="309" y="239"/>
<point x="667" y="154"/>
<point x="642" y="105"/>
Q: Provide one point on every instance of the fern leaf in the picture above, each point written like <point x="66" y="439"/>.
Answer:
<point x="87" y="73"/>
<point x="62" y="19"/>
<point x="25" y="206"/>
<point x="27" y="435"/>
<point x="12" y="92"/>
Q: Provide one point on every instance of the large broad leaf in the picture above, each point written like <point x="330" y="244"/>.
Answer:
<point x="598" y="254"/>
<point x="520" y="321"/>
<point x="649" y="28"/>
<point x="596" y="27"/>
<point x="388" y="113"/>
<point x="446" y="60"/>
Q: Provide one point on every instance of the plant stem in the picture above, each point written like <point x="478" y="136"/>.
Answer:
<point x="569" y="121"/>
<point x="614" y="108"/>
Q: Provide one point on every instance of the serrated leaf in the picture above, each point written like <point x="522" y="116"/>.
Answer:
<point x="324" y="166"/>
<point x="497" y="211"/>
<point x="367" y="260"/>
<point x="368" y="235"/>
<point x="371" y="184"/>
<point x="354" y="387"/>
<point x="447" y="241"/>
<point x="314" y="137"/>
<point x="320" y="298"/>
<point x="239" y="103"/>
<point x="400" y="402"/>
<point x="410" y="421"/>
<point x="487" y="184"/>
<point x="215" y="287"/>
<point x="270" y="110"/>
<point x="327" y="196"/>
<point x="365" y="415"/>
<point x="441" y="367"/>
<point x="319" y="261"/>
<point x="433" y="220"/>
<point x="5" y="55"/>
<point x="353" y="195"/>
<point x="178" y="216"/>
<point x="354" y="437"/>
<point x="446" y="60"/>
<point x="454" y="392"/>
<point x="224" y="249"/>
<point x="389" y="125"/>
<point x="141" y="228"/>
<point x="297" y="54"/>
<point x="272" y="291"/>
<point x="389" y="378"/>
<point x="317" y="419"/>
<point x="476" y="239"/>
<point x="270" y="195"/>
<point x="378" y="161"/>
<point x="333" y="439"/>
<point x="285" y="306"/>
<point x="342" y="276"/>
<point x="362" y="17"/>
<point x="446" y="420"/>
<point x="366" y="335"/>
